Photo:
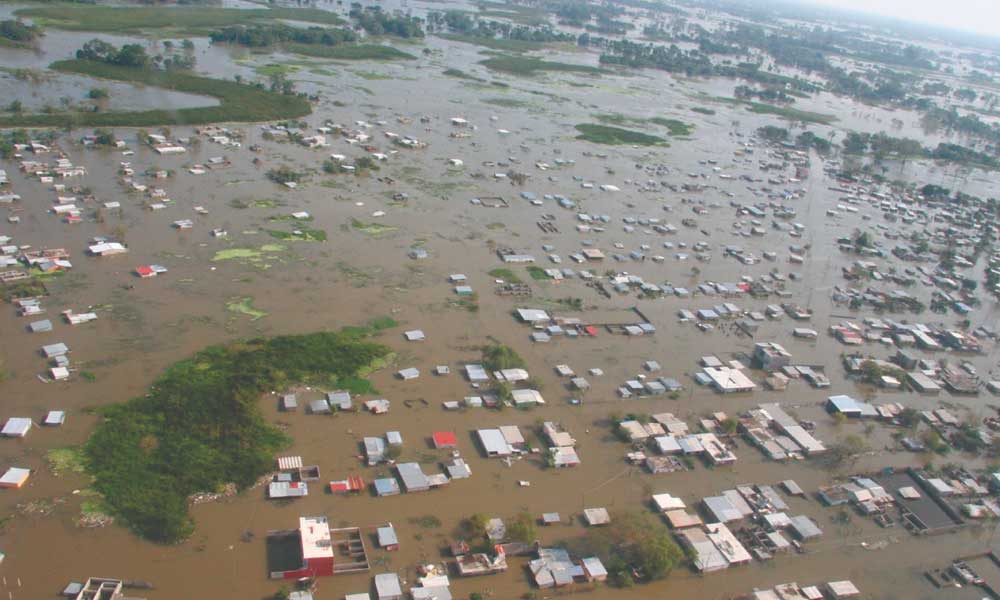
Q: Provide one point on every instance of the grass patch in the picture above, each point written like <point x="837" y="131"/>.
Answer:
<point x="518" y="13"/>
<point x="244" y="306"/>
<point x="467" y="303"/>
<point x="702" y="110"/>
<point x="275" y="69"/>
<point x="351" y="52"/>
<point x="675" y="127"/>
<point x="372" y="75"/>
<point x="66" y="460"/>
<point x="506" y="102"/>
<point x="604" y="134"/>
<point x="26" y="288"/>
<point x="504" y="45"/>
<point x="505" y="274"/>
<point x="617" y="119"/>
<point x="791" y="114"/>
<point x="200" y="426"/>
<point x="299" y="235"/>
<point x="785" y="112"/>
<point x="426" y="521"/>
<point x="523" y="65"/>
<point x="538" y="273"/>
<point x="9" y="43"/>
<point x="372" y="229"/>
<point x="201" y="19"/>
<point x="235" y="253"/>
<point x="460" y="74"/>
<point x="237" y="102"/>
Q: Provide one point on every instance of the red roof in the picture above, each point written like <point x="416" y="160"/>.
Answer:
<point x="444" y="439"/>
<point x="351" y="484"/>
<point x="144" y="271"/>
<point x="591" y="330"/>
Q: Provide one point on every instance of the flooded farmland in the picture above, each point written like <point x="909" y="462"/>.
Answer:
<point x="263" y="274"/>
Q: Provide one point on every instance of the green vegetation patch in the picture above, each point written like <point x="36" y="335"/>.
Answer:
<point x="506" y="102"/>
<point x="299" y="235"/>
<point x="674" y="126"/>
<point x="234" y="253"/>
<point x="503" y="44"/>
<point x="373" y="229"/>
<point x="66" y="460"/>
<point x="80" y="17"/>
<point x="702" y="110"/>
<point x="244" y="306"/>
<point x="237" y="102"/>
<point x="499" y="357"/>
<point x="200" y="426"/>
<point x="460" y="74"/>
<point x="505" y="274"/>
<point x="792" y="114"/>
<point x="538" y="273"/>
<point x="605" y="134"/>
<point x="785" y="112"/>
<point x="351" y="52"/>
<point x="524" y="65"/>
<point x="637" y="543"/>
<point x="25" y="288"/>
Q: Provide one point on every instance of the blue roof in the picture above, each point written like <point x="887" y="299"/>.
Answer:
<point x="387" y="486"/>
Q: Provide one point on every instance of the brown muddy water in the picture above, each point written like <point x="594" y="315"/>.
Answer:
<point x="145" y="325"/>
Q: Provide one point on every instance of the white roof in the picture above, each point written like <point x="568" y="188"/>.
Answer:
<point x="666" y="502"/>
<point x="315" y="534"/>
<point x="493" y="442"/>
<point x="527" y="397"/>
<point x="476" y="373"/>
<point x="842" y="589"/>
<point x="289" y="462"/>
<point x="16" y="427"/>
<point x="597" y="516"/>
<point x="15" y="476"/>
<point x="532" y="314"/>
<point x="387" y="585"/>
<point x="511" y="434"/>
<point x="727" y="544"/>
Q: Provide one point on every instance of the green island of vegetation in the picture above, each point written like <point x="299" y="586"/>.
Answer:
<point x="524" y="65"/>
<point x="505" y="274"/>
<point x="638" y="549"/>
<point x="675" y="127"/>
<point x="237" y="102"/>
<point x="502" y="44"/>
<point x="323" y="42"/>
<point x="351" y="52"/>
<point x="605" y="134"/>
<point x="200" y="427"/>
<point x="191" y="20"/>
<point x="15" y="34"/>
<point x="792" y="114"/>
<point x="538" y="273"/>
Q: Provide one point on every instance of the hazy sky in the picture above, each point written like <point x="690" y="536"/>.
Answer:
<point x="982" y="16"/>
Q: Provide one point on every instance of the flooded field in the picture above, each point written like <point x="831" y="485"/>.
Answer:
<point x="257" y="281"/>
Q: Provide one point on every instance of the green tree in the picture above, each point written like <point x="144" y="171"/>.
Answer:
<point x="522" y="528"/>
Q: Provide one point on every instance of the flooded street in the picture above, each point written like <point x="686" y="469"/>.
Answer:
<point x="289" y="286"/>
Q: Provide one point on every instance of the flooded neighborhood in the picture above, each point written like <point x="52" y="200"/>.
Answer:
<point x="516" y="300"/>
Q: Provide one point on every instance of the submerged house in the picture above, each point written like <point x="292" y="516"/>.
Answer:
<point x="315" y="550"/>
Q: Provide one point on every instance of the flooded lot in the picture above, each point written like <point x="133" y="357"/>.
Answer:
<point x="250" y="282"/>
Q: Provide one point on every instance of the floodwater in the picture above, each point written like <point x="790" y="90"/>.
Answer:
<point x="145" y="325"/>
